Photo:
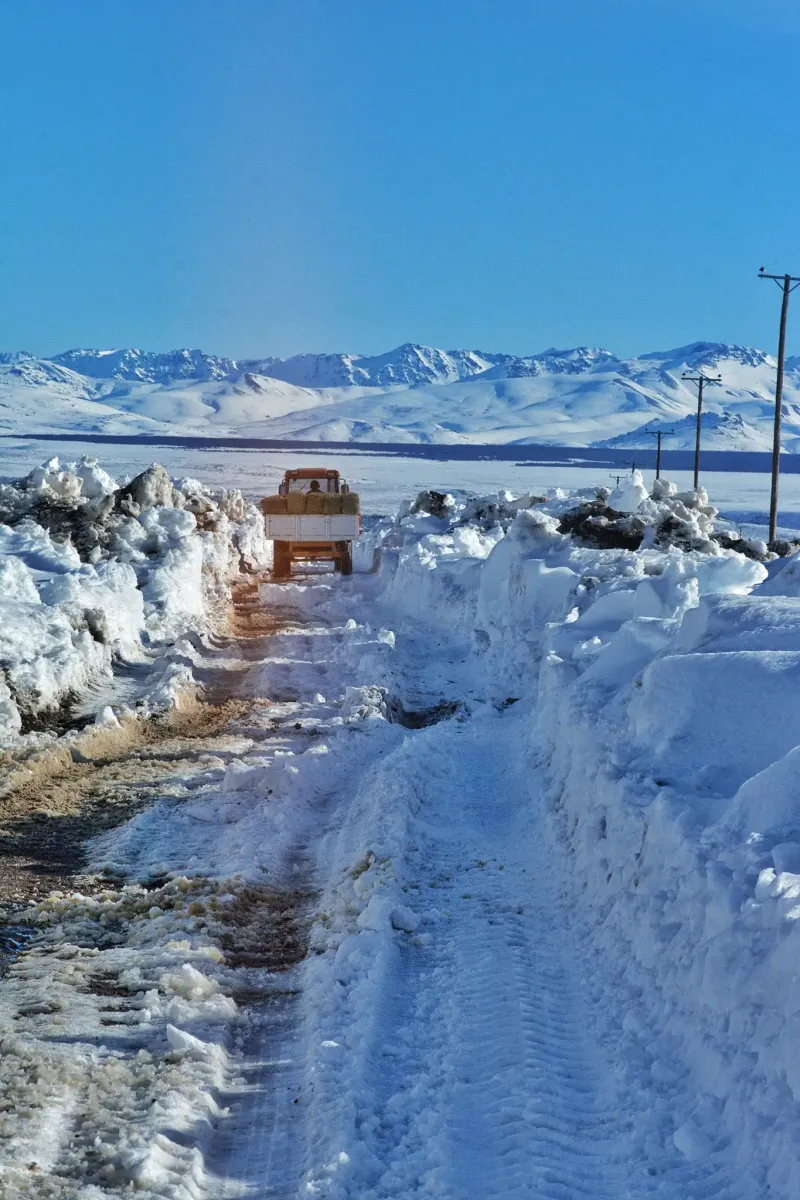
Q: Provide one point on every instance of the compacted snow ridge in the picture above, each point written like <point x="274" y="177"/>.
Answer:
<point x="475" y="874"/>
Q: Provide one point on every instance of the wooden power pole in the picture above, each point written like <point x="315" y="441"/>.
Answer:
<point x="658" y="434"/>
<point x="787" y="284"/>
<point x="700" y="380"/>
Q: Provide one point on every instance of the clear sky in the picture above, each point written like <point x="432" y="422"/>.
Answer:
<point x="271" y="176"/>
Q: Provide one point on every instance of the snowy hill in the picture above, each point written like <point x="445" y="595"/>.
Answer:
<point x="722" y="431"/>
<point x="414" y="393"/>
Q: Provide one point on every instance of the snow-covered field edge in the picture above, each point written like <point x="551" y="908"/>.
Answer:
<point x="661" y="686"/>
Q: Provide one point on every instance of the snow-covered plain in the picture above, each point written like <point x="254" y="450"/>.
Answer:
<point x="528" y="787"/>
<point x="413" y="394"/>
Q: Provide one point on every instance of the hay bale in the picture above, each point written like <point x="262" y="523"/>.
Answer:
<point x="315" y="503"/>
<point x="295" y="504"/>
<point x="350" y="504"/>
<point x="332" y="505"/>
<point x="273" y="505"/>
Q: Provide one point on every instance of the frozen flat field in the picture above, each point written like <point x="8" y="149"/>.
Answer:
<point x="384" y="480"/>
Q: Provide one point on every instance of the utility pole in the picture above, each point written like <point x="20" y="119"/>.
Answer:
<point x="787" y="284"/>
<point x="659" y="433"/>
<point x="700" y="380"/>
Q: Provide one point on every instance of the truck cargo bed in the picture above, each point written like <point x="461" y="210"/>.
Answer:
<point x="312" y="527"/>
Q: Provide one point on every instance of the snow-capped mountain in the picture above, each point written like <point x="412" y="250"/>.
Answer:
<point x="145" y="366"/>
<point x="414" y="393"/>
<point x="407" y="366"/>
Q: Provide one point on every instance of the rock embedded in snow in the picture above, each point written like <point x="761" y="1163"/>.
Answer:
<point x="437" y="504"/>
<point x="151" y="489"/>
<point x="598" y="524"/>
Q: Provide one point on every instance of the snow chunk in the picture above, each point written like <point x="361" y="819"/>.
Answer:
<point x="190" y="983"/>
<point x="16" y="582"/>
<point x="188" y="1044"/>
<point x="630" y="495"/>
<point x="107" y="719"/>
<point x="95" y="482"/>
<point x="403" y="918"/>
<point x="692" y="1142"/>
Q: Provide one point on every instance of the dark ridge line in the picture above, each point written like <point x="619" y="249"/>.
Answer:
<point x="744" y="461"/>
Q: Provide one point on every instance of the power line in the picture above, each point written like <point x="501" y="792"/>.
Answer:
<point x="700" y="380"/>
<point x="787" y="284"/>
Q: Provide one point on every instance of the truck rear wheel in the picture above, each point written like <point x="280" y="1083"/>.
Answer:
<point x="282" y="560"/>
<point x="345" y="558"/>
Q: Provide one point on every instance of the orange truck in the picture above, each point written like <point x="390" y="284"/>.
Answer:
<point x="313" y="516"/>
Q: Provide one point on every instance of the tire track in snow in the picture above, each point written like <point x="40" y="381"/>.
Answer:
<point x="258" y="1149"/>
<point x="531" y="1111"/>
<point x="557" y="1124"/>
<point x="254" y="1150"/>
<point x="482" y="1075"/>
<point x="476" y="1077"/>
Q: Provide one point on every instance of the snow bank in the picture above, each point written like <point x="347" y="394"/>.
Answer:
<point x="660" y="658"/>
<point x="92" y="572"/>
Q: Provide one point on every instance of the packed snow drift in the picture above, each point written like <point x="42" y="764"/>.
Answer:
<point x="97" y="575"/>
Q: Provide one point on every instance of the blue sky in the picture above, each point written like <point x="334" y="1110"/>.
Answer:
<point x="261" y="177"/>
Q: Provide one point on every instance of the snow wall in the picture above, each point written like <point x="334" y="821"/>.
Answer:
<point x="663" y="690"/>
<point x="96" y="574"/>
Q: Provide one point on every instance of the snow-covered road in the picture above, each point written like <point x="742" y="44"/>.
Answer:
<point x="434" y="881"/>
<point x="478" y="1076"/>
<point x="471" y="1048"/>
<point x="460" y="1063"/>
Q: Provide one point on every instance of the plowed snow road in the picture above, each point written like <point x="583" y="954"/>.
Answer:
<point x="445" y="1032"/>
<point x="484" y="1066"/>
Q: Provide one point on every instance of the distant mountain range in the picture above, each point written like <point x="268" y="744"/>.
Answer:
<point x="579" y="397"/>
<point x="407" y="366"/>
